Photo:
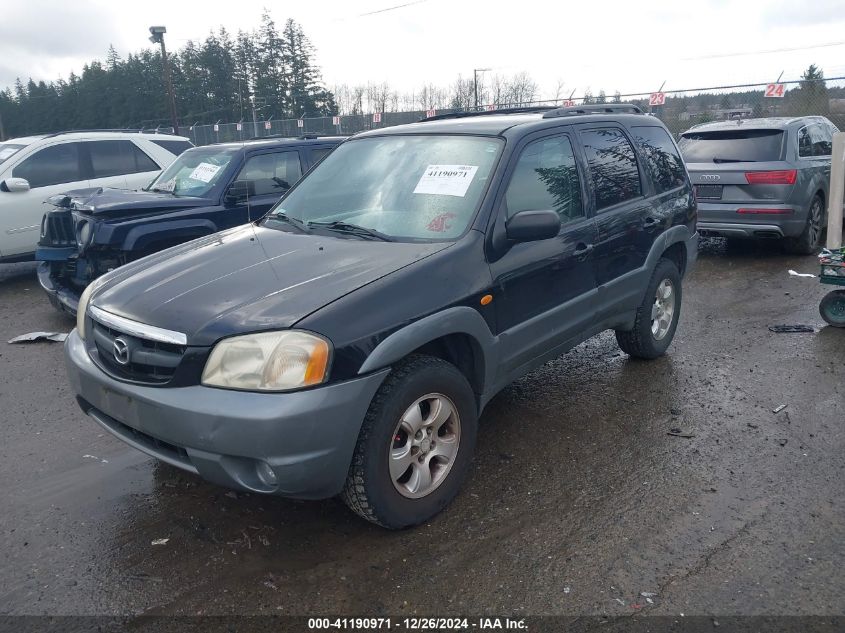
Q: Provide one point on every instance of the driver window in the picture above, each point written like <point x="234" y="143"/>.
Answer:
<point x="546" y="177"/>
<point x="272" y="173"/>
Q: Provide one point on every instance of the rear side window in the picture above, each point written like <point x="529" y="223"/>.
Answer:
<point x="7" y="150"/>
<point x="613" y="166"/>
<point x="174" y="147"/>
<point x="662" y="160"/>
<point x="732" y="146"/>
<point x="53" y="165"/>
<point x="272" y="173"/>
<point x="116" y="158"/>
<point x="546" y="177"/>
<point x="317" y="154"/>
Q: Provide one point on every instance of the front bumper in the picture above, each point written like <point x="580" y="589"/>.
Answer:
<point x="306" y="437"/>
<point x="62" y="298"/>
<point x="724" y="220"/>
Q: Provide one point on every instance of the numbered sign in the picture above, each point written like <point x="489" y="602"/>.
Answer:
<point x="377" y="117"/>
<point x="266" y="125"/>
<point x="568" y="103"/>
<point x="431" y="113"/>
<point x="657" y="99"/>
<point x="239" y="127"/>
<point x="775" y="90"/>
<point x="216" y="128"/>
<point x="490" y="107"/>
<point x="300" y="123"/>
<point x="335" y="120"/>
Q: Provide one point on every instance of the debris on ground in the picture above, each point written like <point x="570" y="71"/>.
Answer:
<point x="779" y="408"/>
<point x="566" y="590"/>
<point x="783" y="441"/>
<point x="160" y="541"/>
<point x="795" y="274"/>
<point x="648" y="594"/>
<point x="679" y="433"/>
<point x="791" y="329"/>
<point x="753" y="426"/>
<point x="31" y="337"/>
<point x="94" y="457"/>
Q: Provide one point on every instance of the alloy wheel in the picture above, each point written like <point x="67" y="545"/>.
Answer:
<point x="663" y="309"/>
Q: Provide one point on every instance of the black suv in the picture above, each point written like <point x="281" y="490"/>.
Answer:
<point x="207" y="189"/>
<point x="348" y="342"/>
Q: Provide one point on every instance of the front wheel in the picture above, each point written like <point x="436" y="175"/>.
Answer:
<point x="415" y="445"/>
<point x="832" y="308"/>
<point x="657" y="317"/>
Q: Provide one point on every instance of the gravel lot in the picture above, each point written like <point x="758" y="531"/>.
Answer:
<point x="579" y="500"/>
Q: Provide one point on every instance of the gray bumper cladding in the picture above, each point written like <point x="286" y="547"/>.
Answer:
<point x="296" y="444"/>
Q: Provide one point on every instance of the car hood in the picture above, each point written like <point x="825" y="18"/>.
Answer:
<point x="248" y="279"/>
<point x="107" y="202"/>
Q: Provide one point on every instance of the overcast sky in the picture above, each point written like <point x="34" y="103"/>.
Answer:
<point x="612" y="45"/>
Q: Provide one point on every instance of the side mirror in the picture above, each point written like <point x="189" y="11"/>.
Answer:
<point x="240" y="190"/>
<point x="15" y="184"/>
<point x="531" y="226"/>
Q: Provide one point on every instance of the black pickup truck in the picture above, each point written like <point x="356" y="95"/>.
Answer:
<point x="207" y="189"/>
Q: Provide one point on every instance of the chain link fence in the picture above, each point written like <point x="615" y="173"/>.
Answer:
<point x="678" y="109"/>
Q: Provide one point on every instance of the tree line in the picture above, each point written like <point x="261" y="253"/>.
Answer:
<point x="219" y="78"/>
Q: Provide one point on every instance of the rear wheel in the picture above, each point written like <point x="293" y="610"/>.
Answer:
<point x="657" y="316"/>
<point x="832" y="308"/>
<point x="811" y="238"/>
<point x="415" y="445"/>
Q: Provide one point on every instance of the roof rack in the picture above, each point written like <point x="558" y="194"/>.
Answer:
<point x="594" y="108"/>
<point x="113" y="130"/>
<point x="460" y="115"/>
<point x="301" y="137"/>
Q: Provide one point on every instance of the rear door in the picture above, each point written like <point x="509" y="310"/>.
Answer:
<point x="118" y="163"/>
<point x="624" y="214"/>
<point x="51" y="170"/>
<point x="545" y="289"/>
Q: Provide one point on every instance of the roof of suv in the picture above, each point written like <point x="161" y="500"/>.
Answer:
<point x="72" y="135"/>
<point x="766" y="123"/>
<point x="496" y="124"/>
<point x="275" y="142"/>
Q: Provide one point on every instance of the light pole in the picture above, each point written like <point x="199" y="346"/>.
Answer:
<point x="475" y="72"/>
<point x="157" y="37"/>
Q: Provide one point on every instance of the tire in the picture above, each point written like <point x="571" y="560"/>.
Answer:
<point x="377" y="487"/>
<point x="810" y="239"/>
<point x="832" y="308"/>
<point x="646" y="340"/>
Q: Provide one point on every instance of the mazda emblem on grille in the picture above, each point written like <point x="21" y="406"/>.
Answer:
<point x="120" y="349"/>
<point x="711" y="177"/>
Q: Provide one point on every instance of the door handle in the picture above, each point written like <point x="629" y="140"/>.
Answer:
<point x="582" y="250"/>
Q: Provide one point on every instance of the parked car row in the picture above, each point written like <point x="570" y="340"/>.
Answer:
<point x="341" y="333"/>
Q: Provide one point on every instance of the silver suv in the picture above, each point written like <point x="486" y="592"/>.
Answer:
<point x="762" y="178"/>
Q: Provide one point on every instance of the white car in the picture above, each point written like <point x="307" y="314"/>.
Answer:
<point x="34" y="168"/>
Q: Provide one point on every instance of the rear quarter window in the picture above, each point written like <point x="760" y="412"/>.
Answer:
<point x="662" y="160"/>
<point x="174" y="147"/>
<point x="731" y="146"/>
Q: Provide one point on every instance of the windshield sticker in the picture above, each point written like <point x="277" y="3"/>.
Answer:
<point x="5" y="153"/>
<point x="170" y="185"/>
<point x="441" y="223"/>
<point x="446" y="180"/>
<point x="204" y="172"/>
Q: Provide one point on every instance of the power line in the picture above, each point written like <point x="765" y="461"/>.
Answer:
<point x="764" y="52"/>
<point x="393" y="8"/>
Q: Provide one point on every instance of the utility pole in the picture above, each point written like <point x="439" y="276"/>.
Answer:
<point x="157" y="37"/>
<point x="475" y="72"/>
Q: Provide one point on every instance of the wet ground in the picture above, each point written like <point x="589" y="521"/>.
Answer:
<point x="579" y="501"/>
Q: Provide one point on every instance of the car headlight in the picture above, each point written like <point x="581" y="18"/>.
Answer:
<point x="268" y="361"/>
<point x="82" y="306"/>
<point x="83" y="235"/>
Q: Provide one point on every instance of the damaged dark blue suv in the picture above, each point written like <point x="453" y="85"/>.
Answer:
<point x="347" y="342"/>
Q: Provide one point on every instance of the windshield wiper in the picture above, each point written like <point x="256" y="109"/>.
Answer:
<point x="296" y="223"/>
<point x="733" y="160"/>
<point x="352" y="229"/>
<point x="157" y="190"/>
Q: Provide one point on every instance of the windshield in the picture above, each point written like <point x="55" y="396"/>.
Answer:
<point x="731" y="146"/>
<point x="7" y="150"/>
<point x="194" y="173"/>
<point x="403" y="187"/>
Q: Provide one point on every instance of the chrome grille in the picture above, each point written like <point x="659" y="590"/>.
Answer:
<point x="135" y="358"/>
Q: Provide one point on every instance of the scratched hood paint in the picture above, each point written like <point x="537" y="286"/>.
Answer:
<point x="248" y="279"/>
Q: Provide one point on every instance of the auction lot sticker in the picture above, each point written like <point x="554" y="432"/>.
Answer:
<point x="446" y="180"/>
<point x="204" y="172"/>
